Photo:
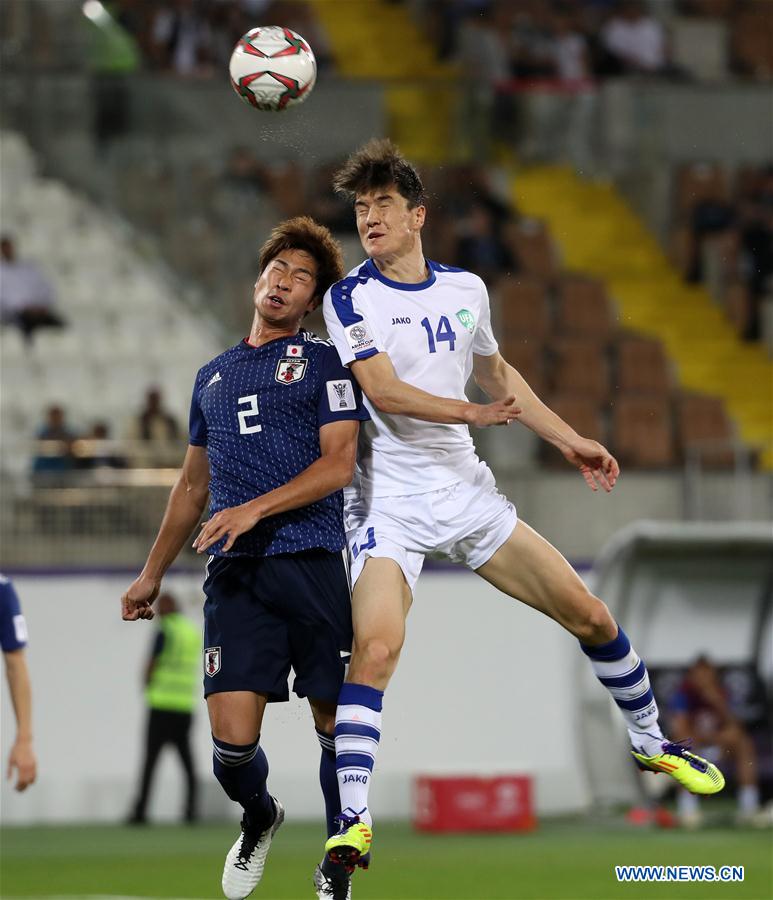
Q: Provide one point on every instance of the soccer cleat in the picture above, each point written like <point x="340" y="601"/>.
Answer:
<point x="351" y="846"/>
<point x="247" y="858"/>
<point x="694" y="773"/>
<point x="332" y="887"/>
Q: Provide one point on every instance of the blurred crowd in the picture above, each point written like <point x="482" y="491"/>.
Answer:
<point x="723" y="238"/>
<point x="193" y="38"/>
<point x="501" y="41"/>
<point x="509" y="42"/>
<point x="151" y="438"/>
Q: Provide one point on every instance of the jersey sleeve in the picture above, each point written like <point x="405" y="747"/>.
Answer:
<point x="13" y="628"/>
<point x="197" y="426"/>
<point x="354" y="337"/>
<point x="483" y="341"/>
<point x="340" y="397"/>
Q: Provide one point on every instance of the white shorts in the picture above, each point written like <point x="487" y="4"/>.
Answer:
<point x="466" y="523"/>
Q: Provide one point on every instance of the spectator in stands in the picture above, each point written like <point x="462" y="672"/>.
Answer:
<point x="97" y="451"/>
<point x="181" y="38"/>
<point x="482" y="51"/>
<point x="172" y="678"/>
<point x="13" y="640"/>
<point x="154" y="423"/>
<point x="55" y="445"/>
<point x="756" y="226"/>
<point x="27" y="297"/>
<point x="634" y="41"/>
<point x="569" y="49"/>
<point x="479" y="248"/>
<point x="701" y="708"/>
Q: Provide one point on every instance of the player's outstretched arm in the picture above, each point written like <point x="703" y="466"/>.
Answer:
<point x="499" y="379"/>
<point x="331" y="472"/>
<point x="22" y="756"/>
<point x="183" y="511"/>
<point x="379" y="382"/>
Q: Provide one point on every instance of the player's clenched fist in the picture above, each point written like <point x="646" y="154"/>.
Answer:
<point x="137" y="602"/>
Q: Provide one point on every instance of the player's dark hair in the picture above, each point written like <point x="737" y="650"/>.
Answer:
<point x="303" y="233"/>
<point x="376" y="165"/>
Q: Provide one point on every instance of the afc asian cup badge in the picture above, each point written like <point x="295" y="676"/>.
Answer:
<point x="212" y="660"/>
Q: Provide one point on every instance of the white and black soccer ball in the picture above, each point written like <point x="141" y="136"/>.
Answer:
<point x="273" y="68"/>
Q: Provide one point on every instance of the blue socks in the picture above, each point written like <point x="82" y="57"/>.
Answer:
<point x="357" y="736"/>
<point x="242" y="770"/>
<point x="624" y="675"/>
<point x="328" y="780"/>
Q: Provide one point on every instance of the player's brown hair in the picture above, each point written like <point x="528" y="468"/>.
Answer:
<point x="303" y="233"/>
<point x="377" y="164"/>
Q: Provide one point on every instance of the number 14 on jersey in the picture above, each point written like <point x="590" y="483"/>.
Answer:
<point x="443" y="332"/>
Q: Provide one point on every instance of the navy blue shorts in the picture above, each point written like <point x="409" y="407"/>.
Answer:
<point x="264" y="615"/>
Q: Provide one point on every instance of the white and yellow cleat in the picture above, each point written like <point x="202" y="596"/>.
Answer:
<point x="247" y="858"/>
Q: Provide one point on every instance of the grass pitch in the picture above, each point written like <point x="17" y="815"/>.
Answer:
<point x="560" y="861"/>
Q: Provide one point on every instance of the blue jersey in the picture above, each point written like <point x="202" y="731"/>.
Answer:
<point x="258" y="411"/>
<point x="13" y="629"/>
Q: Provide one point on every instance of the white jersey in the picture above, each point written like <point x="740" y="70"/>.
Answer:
<point x="430" y="331"/>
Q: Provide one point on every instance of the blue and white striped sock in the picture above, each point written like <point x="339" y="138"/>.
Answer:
<point x="357" y="734"/>
<point x="624" y="675"/>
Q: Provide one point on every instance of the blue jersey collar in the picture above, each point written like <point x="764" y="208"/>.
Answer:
<point x="372" y="269"/>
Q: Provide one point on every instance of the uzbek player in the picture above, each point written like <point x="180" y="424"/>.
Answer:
<point x="412" y="332"/>
<point x="13" y="641"/>
<point x="273" y="433"/>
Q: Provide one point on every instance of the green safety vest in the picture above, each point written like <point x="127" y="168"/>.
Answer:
<point x="177" y="671"/>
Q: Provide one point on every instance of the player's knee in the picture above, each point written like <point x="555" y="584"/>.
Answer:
<point x="594" y="623"/>
<point x="376" y="657"/>
<point x="236" y="733"/>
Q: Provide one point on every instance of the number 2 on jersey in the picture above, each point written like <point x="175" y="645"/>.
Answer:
<point x="250" y="413"/>
<point x="444" y="332"/>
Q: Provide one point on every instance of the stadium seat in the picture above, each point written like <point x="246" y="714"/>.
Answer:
<point x="126" y="326"/>
<point x="584" y="308"/>
<point x="522" y="308"/>
<point x="527" y="355"/>
<point x="704" y="429"/>
<point x="533" y="247"/>
<point x="582" y="413"/>
<point x="643" y="431"/>
<point x="579" y="366"/>
<point x="752" y="43"/>
<point x="642" y="366"/>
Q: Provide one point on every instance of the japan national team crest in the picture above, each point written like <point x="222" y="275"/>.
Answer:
<point x="290" y="370"/>
<point x="212" y="660"/>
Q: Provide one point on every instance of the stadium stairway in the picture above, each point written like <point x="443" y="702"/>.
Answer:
<point x="381" y="41"/>
<point x="598" y="233"/>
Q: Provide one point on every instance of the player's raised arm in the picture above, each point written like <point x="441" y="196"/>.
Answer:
<point x="389" y="394"/>
<point x="184" y="509"/>
<point x="499" y="379"/>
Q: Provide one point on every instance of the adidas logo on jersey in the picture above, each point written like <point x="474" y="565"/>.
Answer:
<point x="213" y="380"/>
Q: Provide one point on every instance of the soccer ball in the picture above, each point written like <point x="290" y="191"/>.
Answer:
<point x="272" y="68"/>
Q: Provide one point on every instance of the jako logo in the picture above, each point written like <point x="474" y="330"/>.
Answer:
<point x="355" y="779"/>
<point x="401" y="320"/>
